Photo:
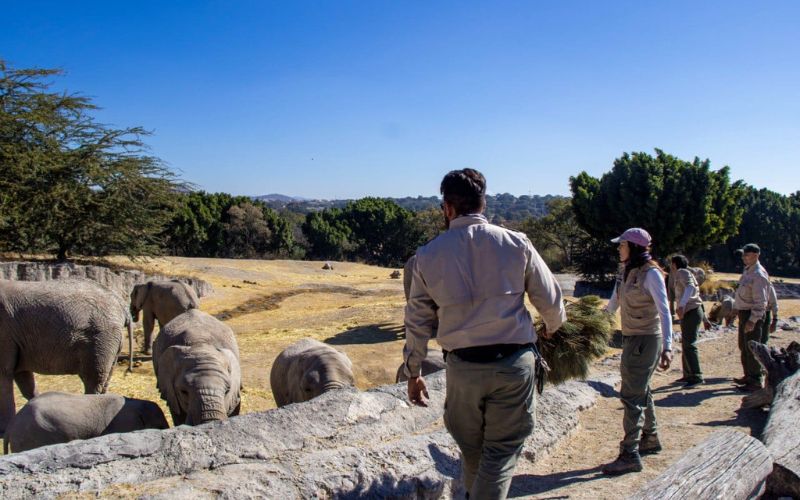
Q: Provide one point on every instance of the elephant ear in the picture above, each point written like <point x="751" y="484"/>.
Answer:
<point x="168" y="367"/>
<point x="235" y="373"/>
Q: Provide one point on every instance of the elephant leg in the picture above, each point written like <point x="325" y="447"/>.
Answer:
<point x="7" y="407"/>
<point x="26" y="384"/>
<point x="148" y="323"/>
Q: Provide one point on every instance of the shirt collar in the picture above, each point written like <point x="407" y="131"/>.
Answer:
<point x="752" y="267"/>
<point x="468" y="220"/>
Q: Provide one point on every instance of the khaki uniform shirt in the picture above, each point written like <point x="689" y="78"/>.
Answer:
<point x="687" y="291"/>
<point x="752" y="294"/>
<point x="473" y="278"/>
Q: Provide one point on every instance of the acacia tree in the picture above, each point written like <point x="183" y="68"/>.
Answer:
<point x="70" y="184"/>
<point x="684" y="205"/>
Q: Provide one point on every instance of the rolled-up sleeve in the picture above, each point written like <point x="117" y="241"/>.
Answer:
<point x="420" y="320"/>
<point x="544" y="291"/>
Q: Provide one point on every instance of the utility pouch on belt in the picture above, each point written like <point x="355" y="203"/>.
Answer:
<point x="540" y="369"/>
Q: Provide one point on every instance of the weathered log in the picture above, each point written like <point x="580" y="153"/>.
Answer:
<point x="779" y="364"/>
<point x="782" y="438"/>
<point x="729" y="464"/>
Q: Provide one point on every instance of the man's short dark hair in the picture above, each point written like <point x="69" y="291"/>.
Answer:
<point x="464" y="190"/>
<point x="680" y="261"/>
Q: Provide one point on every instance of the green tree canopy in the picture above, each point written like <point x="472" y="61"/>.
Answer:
<point x="771" y="220"/>
<point x="69" y="184"/>
<point x="684" y="205"/>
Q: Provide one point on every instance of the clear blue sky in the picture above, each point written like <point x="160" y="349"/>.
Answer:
<point x="340" y="99"/>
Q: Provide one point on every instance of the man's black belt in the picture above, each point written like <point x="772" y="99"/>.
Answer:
<point x="489" y="353"/>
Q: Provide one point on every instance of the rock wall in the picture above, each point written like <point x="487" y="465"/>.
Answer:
<point x="344" y="443"/>
<point x="120" y="281"/>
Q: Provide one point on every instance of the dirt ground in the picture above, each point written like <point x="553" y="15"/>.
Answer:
<point x="359" y="310"/>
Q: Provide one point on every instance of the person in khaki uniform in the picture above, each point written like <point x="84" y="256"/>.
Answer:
<point x="752" y="297"/>
<point x="690" y="313"/>
<point x="641" y="296"/>
<point x="473" y="278"/>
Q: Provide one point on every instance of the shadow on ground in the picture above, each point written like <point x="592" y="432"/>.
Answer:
<point x="685" y="397"/>
<point x="753" y="418"/>
<point x="369" y="334"/>
<point x="532" y="484"/>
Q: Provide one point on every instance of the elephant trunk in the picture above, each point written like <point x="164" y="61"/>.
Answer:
<point x="135" y="314"/>
<point x="210" y="407"/>
<point x="332" y="386"/>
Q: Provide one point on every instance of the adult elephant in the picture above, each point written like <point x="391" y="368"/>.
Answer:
<point x="306" y="369"/>
<point x="56" y="328"/>
<point x="162" y="301"/>
<point x="56" y="417"/>
<point x="196" y="360"/>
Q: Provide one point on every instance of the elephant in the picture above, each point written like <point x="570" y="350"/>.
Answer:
<point x="196" y="360"/>
<point x="308" y="368"/>
<point x="162" y="301"/>
<point x="56" y="328"/>
<point x="57" y="417"/>
<point x="723" y="310"/>
<point x="433" y="362"/>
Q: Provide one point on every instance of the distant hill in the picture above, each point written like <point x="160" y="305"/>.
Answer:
<point x="278" y="198"/>
<point x="499" y="207"/>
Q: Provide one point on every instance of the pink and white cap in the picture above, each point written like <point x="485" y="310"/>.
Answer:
<point x="635" y="235"/>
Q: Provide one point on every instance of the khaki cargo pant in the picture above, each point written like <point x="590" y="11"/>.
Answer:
<point x="489" y="411"/>
<point x="640" y="355"/>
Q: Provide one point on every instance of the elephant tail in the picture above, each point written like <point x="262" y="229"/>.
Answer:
<point x="129" y="326"/>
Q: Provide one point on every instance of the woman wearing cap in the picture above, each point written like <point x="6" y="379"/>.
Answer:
<point x="641" y="295"/>
<point x="690" y="313"/>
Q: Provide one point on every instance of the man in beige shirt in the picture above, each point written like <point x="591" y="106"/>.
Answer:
<point x="473" y="278"/>
<point x="752" y="296"/>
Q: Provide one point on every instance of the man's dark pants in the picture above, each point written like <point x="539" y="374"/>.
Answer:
<point x="489" y="411"/>
<point x="690" y="358"/>
<point x="753" y="370"/>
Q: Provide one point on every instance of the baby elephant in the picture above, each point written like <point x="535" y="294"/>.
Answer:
<point x="433" y="362"/>
<point x="723" y="310"/>
<point x="196" y="360"/>
<point x="56" y="417"/>
<point x="162" y="301"/>
<point x="306" y="369"/>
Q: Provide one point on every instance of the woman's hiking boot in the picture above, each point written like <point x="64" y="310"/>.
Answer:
<point x="649" y="444"/>
<point x="627" y="461"/>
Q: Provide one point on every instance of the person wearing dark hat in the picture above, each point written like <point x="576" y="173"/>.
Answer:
<point x="752" y="297"/>
<point x="473" y="279"/>
<point x="641" y="296"/>
<point x="690" y="313"/>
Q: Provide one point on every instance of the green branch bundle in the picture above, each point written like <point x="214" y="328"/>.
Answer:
<point x="582" y="339"/>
